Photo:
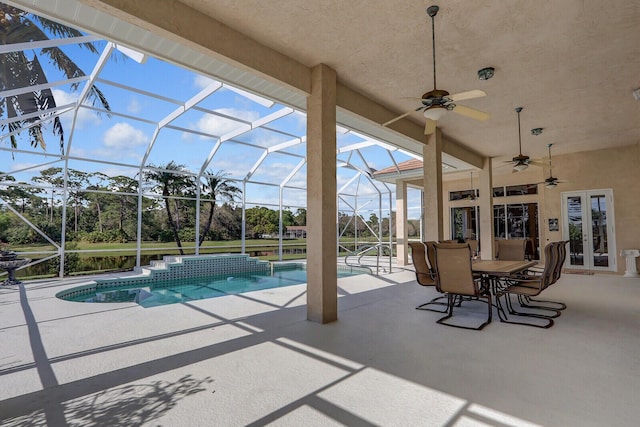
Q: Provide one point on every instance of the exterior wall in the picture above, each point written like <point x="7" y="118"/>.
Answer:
<point x="615" y="168"/>
<point x="503" y="177"/>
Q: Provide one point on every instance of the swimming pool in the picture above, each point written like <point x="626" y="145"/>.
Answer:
<point x="163" y="292"/>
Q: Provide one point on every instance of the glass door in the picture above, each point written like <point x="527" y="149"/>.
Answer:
<point x="464" y="223"/>
<point x="588" y="225"/>
<point x="518" y="221"/>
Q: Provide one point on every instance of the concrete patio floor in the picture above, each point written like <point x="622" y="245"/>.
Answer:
<point x="253" y="359"/>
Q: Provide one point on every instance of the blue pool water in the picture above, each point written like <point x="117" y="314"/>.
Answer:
<point x="184" y="290"/>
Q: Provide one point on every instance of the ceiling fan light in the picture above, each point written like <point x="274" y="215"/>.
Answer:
<point x="435" y="113"/>
<point x="551" y="184"/>
<point x="520" y="166"/>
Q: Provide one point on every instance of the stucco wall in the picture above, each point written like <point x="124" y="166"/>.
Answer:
<point x="617" y="169"/>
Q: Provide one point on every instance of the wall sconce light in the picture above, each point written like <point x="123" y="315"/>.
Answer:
<point x="536" y="131"/>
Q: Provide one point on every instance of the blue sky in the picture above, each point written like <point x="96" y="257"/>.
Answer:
<point x="124" y="140"/>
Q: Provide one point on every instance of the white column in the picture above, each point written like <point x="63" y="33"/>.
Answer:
<point x="630" y="256"/>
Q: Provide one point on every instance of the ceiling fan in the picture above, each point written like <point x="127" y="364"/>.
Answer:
<point x="521" y="162"/>
<point x="437" y="102"/>
<point x="551" y="182"/>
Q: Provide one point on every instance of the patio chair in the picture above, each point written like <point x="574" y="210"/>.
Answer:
<point x="560" y="252"/>
<point x="512" y="249"/>
<point x="422" y="263"/>
<point x="529" y="286"/>
<point x="455" y="278"/>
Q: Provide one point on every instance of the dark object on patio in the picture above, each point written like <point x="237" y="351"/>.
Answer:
<point x="10" y="262"/>
<point x="454" y="277"/>
<point x="530" y="286"/>
<point x="422" y="256"/>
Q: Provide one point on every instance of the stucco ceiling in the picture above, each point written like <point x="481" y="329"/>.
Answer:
<point x="571" y="64"/>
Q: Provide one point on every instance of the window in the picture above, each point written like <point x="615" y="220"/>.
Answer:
<point x="519" y="190"/>
<point x="462" y="195"/>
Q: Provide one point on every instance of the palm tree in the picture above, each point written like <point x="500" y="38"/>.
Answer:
<point x="17" y="71"/>
<point x="218" y="187"/>
<point x="170" y="184"/>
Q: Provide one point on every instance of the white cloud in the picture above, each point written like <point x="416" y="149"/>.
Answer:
<point x="123" y="135"/>
<point x="219" y="126"/>
<point x="134" y="106"/>
<point x="202" y="81"/>
<point x="236" y="170"/>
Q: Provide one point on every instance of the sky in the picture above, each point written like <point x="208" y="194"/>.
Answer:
<point x="218" y="128"/>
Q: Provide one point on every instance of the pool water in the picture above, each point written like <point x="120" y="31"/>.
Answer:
<point x="184" y="290"/>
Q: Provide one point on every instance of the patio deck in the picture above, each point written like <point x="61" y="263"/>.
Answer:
<point x="253" y="359"/>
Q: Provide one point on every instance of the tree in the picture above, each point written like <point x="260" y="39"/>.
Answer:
<point x="17" y="71"/>
<point x="20" y="196"/>
<point x="218" y="187"/>
<point x="52" y="176"/>
<point x="170" y="183"/>
<point x="301" y="216"/>
<point x="262" y="220"/>
<point x="76" y="181"/>
<point x="288" y="218"/>
<point x="127" y="205"/>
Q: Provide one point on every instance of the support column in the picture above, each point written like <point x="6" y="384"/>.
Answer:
<point x="322" y="278"/>
<point x="402" y="234"/>
<point x="433" y="203"/>
<point x="486" y="211"/>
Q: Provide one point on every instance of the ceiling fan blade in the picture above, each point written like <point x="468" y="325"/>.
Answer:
<point x="471" y="112"/>
<point x="430" y="127"/>
<point x="399" y="117"/>
<point x="467" y="95"/>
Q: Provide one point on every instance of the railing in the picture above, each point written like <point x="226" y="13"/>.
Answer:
<point x="381" y="250"/>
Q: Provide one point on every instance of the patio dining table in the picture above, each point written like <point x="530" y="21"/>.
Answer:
<point x="490" y="270"/>
<point x="500" y="268"/>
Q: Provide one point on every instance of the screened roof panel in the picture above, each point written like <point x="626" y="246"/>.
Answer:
<point x="114" y="139"/>
<point x="180" y="147"/>
<point x="154" y="75"/>
<point x="275" y="168"/>
<point x="213" y="125"/>
<point x="294" y="198"/>
<point x="233" y="98"/>
<point x="144" y="95"/>
<point x="262" y="195"/>
<point x="294" y="123"/>
<point x="235" y="159"/>
<point x="265" y="138"/>
<point x="128" y="102"/>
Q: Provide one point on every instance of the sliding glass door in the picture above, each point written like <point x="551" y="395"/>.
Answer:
<point x="518" y="221"/>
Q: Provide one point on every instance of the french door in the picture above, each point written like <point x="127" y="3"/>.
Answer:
<point x="588" y="224"/>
